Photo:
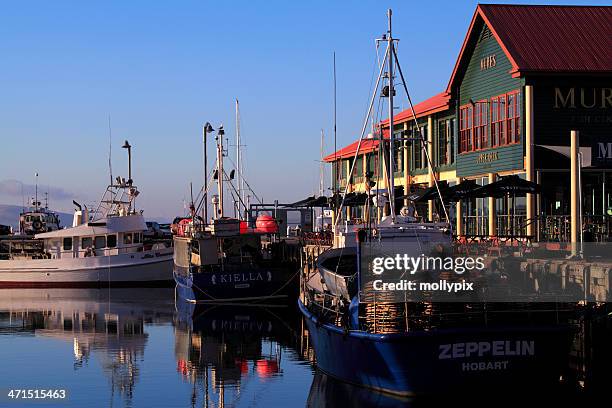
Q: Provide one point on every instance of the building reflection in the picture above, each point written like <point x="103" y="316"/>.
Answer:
<point x="107" y="325"/>
<point x="221" y="350"/>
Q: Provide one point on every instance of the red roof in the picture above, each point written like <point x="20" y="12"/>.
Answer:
<point x="547" y="38"/>
<point x="436" y="103"/>
<point x="367" y="146"/>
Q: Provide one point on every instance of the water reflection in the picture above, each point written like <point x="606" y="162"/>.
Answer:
<point x="105" y="325"/>
<point x="137" y="347"/>
<point x="120" y="347"/>
<point x="222" y="350"/>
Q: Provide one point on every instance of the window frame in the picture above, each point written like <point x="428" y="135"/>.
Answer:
<point x="86" y="239"/>
<point x="466" y="128"/>
<point x="99" y="239"/>
<point x="506" y="128"/>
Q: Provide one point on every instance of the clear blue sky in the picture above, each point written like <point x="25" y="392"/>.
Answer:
<point x="162" y="69"/>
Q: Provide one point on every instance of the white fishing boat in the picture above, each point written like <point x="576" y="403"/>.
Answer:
<point x="105" y="249"/>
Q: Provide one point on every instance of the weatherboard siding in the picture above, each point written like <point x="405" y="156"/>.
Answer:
<point x="480" y="84"/>
<point x="483" y="84"/>
<point x="508" y="158"/>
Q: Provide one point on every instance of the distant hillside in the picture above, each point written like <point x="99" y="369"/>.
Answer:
<point x="9" y="215"/>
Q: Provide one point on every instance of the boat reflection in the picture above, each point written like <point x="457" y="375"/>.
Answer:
<point x="224" y="349"/>
<point x="104" y="324"/>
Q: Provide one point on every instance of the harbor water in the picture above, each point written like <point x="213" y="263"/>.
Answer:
<point x="145" y="348"/>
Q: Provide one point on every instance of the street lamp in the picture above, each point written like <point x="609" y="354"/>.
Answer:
<point x="207" y="128"/>
<point x="127" y="146"/>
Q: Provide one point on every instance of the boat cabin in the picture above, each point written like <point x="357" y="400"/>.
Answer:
<point x="104" y="237"/>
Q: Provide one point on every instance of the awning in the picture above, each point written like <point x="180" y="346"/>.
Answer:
<point x="565" y="151"/>
<point x="311" y="201"/>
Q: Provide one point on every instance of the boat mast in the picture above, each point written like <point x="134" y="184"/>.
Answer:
<point x="238" y="165"/>
<point x="391" y="135"/>
<point x="36" y="193"/>
<point x="322" y="168"/>
<point x="220" y="134"/>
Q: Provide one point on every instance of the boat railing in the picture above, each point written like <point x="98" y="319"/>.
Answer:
<point x="34" y="249"/>
<point x="388" y="318"/>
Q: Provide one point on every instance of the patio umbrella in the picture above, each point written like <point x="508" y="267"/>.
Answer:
<point x="508" y="185"/>
<point x="320" y="201"/>
<point x="426" y="194"/>
<point x="303" y="203"/>
<point x="465" y="189"/>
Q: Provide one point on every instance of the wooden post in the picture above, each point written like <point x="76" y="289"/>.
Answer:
<point x="430" y="150"/>
<point x="492" y="212"/>
<point x="529" y="164"/>
<point x="406" y="166"/>
<point x="459" y="214"/>
<point x="574" y="177"/>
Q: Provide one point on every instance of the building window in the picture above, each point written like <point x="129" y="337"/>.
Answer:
<point x="67" y="244"/>
<point x="419" y="159"/>
<point x="399" y="154"/>
<point x="481" y="120"/>
<point x="446" y="143"/>
<point x="514" y="115"/>
<point x="452" y="137"/>
<point x="498" y="120"/>
<point x="505" y="119"/>
<point x="359" y="167"/>
<point x="372" y="165"/>
<point x="466" y="122"/>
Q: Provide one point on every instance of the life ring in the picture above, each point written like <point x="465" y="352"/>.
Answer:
<point x="37" y="225"/>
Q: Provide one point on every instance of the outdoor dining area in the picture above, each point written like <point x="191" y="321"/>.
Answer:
<point x="508" y="228"/>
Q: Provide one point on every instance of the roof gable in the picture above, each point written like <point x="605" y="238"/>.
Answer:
<point x="566" y="39"/>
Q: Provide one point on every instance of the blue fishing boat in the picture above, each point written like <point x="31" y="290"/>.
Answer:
<point x="407" y="347"/>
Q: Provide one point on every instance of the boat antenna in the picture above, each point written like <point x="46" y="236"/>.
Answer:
<point x="110" y="150"/>
<point x="240" y="183"/>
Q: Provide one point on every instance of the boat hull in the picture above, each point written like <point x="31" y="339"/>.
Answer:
<point x="237" y="283"/>
<point x="416" y="362"/>
<point x="149" y="268"/>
